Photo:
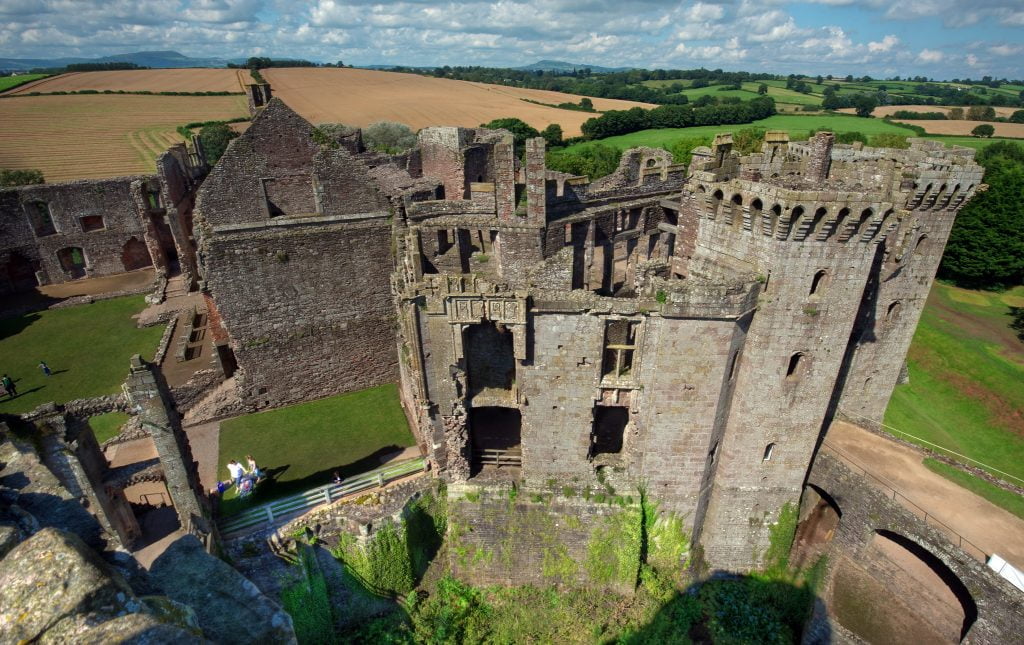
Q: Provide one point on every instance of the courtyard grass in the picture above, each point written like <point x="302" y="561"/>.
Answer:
<point x="301" y="446"/>
<point x="1001" y="497"/>
<point x="106" y="426"/>
<point x="87" y="347"/>
<point x="966" y="390"/>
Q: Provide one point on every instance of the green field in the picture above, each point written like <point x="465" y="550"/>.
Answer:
<point x="794" y="124"/>
<point x="87" y="347"/>
<point x="966" y="390"/>
<point x="303" y="445"/>
<point x="10" y="82"/>
<point x="797" y="125"/>
<point x="999" y="496"/>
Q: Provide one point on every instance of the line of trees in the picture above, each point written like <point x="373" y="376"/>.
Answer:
<point x="615" y="122"/>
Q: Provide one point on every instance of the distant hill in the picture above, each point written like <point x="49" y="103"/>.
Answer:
<point x="158" y="59"/>
<point x="562" y="66"/>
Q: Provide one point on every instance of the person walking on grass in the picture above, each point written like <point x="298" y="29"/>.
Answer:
<point x="9" y="386"/>
<point x="46" y="368"/>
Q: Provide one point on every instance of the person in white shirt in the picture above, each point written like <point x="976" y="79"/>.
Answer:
<point x="236" y="471"/>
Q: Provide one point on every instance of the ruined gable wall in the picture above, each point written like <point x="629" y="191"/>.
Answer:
<point x="307" y="306"/>
<point x="279" y="146"/>
<point x="69" y="202"/>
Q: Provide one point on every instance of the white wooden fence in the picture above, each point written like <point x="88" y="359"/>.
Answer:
<point x="281" y="510"/>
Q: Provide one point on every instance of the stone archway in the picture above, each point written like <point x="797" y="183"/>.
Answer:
<point x="898" y="591"/>
<point x="135" y="255"/>
<point x="819" y="520"/>
<point x="20" y="273"/>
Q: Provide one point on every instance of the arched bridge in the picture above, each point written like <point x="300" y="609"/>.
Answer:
<point x="895" y="574"/>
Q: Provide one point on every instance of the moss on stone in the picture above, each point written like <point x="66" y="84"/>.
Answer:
<point x="614" y="549"/>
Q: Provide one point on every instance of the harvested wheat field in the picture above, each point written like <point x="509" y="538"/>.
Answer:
<point x="360" y="97"/>
<point x="88" y="136"/>
<point x="150" y="80"/>
<point x="1010" y="130"/>
<point x="889" y="110"/>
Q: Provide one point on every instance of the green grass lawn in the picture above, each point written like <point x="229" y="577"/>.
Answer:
<point x="966" y="390"/>
<point x="106" y="426"/>
<point x="794" y="124"/>
<point x="303" y="445"/>
<point x="87" y="347"/>
<point x="999" y="496"/>
<point x="9" y="82"/>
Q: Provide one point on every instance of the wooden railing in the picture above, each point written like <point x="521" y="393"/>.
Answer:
<point x="276" y="512"/>
<point x="496" y="457"/>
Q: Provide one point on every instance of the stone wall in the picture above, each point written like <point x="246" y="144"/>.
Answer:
<point x="306" y="306"/>
<point x="97" y="216"/>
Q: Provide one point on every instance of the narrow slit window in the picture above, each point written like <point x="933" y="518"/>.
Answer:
<point x="768" y="450"/>
<point x="795" y="367"/>
<point x="818" y="282"/>
<point x="732" y="365"/>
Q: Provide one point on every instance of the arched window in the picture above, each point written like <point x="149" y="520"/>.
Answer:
<point x="819" y="282"/>
<point x="795" y="368"/>
<point x="773" y="222"/>
<point x="840" y="224"/>
<point x="893" y="312"/>
<point x="736" y="210"/>
<point x="921" y="246"/>
<point x="794" y="219"/>
<point x="755" y="215"/>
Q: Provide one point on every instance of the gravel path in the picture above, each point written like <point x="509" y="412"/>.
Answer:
<point x="991" y="528"/>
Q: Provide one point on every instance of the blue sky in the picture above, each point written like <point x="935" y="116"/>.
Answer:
<point x="936" y="38"/>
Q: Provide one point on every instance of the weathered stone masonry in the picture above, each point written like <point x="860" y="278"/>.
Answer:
<point x="689" y="330"/>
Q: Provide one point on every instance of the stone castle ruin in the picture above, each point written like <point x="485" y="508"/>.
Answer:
<point x="685" y="331"/>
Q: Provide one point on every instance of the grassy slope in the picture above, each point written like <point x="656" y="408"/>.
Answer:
<point x="966" y="389"/>
<point x="87" y="347"/>
<point x="998" y="496"/>
<point x="10" y="82"/>
<point x="303" y="445"/>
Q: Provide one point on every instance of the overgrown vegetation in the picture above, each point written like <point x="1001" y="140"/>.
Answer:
<point x="215" y="139"/>
<point x="309" y="604"/>
<point x="389" y="137"/>
<point x="11" y="178"/>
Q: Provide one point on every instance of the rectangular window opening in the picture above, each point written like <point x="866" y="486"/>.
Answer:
<point x="620" y="337"/>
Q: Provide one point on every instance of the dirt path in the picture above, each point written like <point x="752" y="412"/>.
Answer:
<point x="983" y="523"/>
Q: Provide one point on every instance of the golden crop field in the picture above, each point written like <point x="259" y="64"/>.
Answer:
<point x="91" y="136"/>
<point x="360" y="97"/>
<point x="153" y="80"/>
<point x="889" y="110"/>
<point x="1011" y="130"/>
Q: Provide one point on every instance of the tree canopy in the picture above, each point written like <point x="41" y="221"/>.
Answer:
<point x="389" y="137"/>
<point x="215" y="139"/>
<point x="986" y="246"/>
<point x="983" y="130"/>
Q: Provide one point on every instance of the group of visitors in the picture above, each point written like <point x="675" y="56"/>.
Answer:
<point x="244" y="478"/>
<point x="10" y="389"/>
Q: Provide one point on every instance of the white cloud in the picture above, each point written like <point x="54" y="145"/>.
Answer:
<point x="701" y="12"/>
<point x="884" y="45"/>
<point x="928" y="56"/>
<point x="1006" y="50"/>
